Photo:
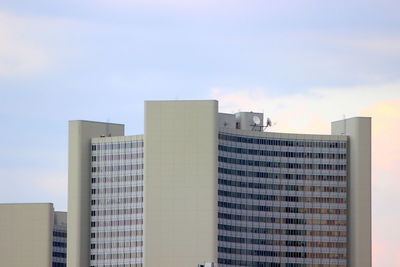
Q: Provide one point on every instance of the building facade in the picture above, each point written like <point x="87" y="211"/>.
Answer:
<point x="59" y="253"/>
<point x="206" y="187"/>
<point x="32" y="235"/>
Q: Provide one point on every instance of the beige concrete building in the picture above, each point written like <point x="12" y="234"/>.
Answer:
<point x="26" y="235"/>
<point x="201" y="187"/>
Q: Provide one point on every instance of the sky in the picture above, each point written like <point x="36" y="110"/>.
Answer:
<point x="303" y="63"/>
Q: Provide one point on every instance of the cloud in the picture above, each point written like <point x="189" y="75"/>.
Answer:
<point x="176" y="4"/>
<point x="312" y="112"/>
<point x="385" y="182"/>
<point x="19" y="53"/>
<point x="381" y="46"/>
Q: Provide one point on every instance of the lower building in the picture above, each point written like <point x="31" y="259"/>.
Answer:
<point x="201" y="187"/>
<point x="32" y="235"/>
<point x="59" y="252"/>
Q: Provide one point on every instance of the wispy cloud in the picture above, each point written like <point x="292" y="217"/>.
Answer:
<point x="309" y="111"/>
<point x="20" y="54"/>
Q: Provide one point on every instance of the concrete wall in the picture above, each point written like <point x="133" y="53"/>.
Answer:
<point x="60" y="218"/>
<point x="26" y="234"/>
<point x="180" y="211"/>
<point x="359" y="188"/>
<point x="79" y="170"/>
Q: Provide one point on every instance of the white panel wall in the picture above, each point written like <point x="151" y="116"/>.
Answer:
<point x="26" y="235"/>
<point x="180" y="183"/>
<point x="359" y="188"/>
<point x="79" y="170"/>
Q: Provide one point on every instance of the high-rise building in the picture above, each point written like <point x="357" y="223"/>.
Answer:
<point x="31" y="235"/>
<point x="208" y="188"/>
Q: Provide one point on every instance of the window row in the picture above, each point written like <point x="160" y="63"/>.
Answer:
<point x="112" y="168"/>
<point x="59" y="244"/>
<point x="282" y="154"/>
<point x="126" y="244"/>
<point x="286" y="165"/>
<point x="246" y="218"/>
<point x="238" y="206"/>
<point x="288" y="176"/>
<point x="112" y="234"/>
<point x="115" y="256"/>
<point x="287" y="243"/>
<point x="271" y="264"/>
<point x="121" y="145"/>
<point x="118" y="179"/>
<point x="59" y="254"/>
<point x="114" y="190"/>
<point x="301" y="188"/>
<point x="282" y="142"/>
<point x="127" y="156"/>
<point x="59" y="234"/>
<point x="257" y="230"/>
<point x="308" y="255"/>
<point x="116" y="212"/>
<point x="282" y="198"/>
<point x="112" y="201"/>
<point x="119" y="265"/>
<point x="117" y="223"/>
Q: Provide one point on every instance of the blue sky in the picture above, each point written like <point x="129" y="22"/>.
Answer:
<point x="304" y="63"/>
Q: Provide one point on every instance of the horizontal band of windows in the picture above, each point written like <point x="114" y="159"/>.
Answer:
<point x="116" y="212"/>
<point x="119" y="200"/>
<point x="288" y="176"/>
<point x="270" y="264"/>
<point x="113" y="190"/>
<point x="60" y="234"/>
<point x="121" y="156"/>
<point x="111" y="168"/>
<point x="287" y="243"/>
<point x="309" y="181"/>
<point x="271" y="164"/>
<point x="126" y="244"/>
<point x="119" y="256"/>
<point x="302" y="188"/>
<point x="59" y="244"/>
<point x="278" y="195"/>
<point x="265" y="253"/>
<point x="281" y="198"/>
<point x="59" y="254"/>
<point x="111" y="234"/>
<point x="288" y="232"/>
<point x="117" y="145"/>
<point x="117" y="223"/>
<point x="118" y="179"/>
<point x="281" y="142"/>
<point x="58" y="264"/>
<point x="238" y="206"/>
<point x="237" y="217"/>
<point x="281" y="154"/>
<point x="250" y="263"/>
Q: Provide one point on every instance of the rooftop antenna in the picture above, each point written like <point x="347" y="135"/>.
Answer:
<point x="257" y="123"/>
<point x="269" y="122"/>
<point x="344" y="124"/>
<point x="108" y="128"/>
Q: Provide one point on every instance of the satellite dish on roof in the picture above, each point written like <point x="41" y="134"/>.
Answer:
<point x="269" y="122"/>
<point x="256" y="120"/>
